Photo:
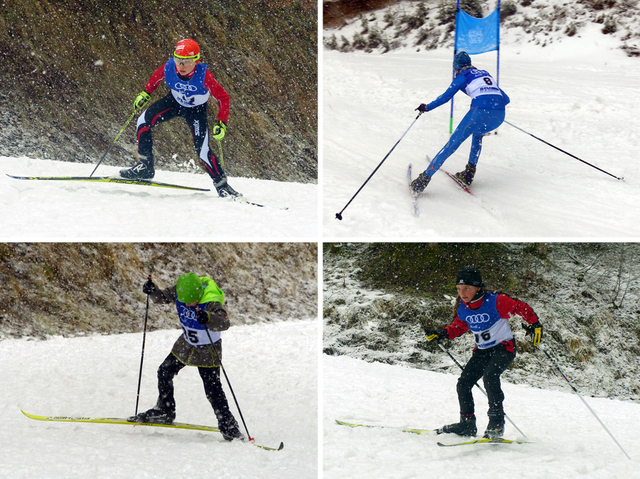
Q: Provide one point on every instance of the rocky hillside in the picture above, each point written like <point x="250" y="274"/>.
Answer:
<point x="72" y="68"/>
<point x="80" y="288"/>
<point x="377" y="297"/>
<point x="386" y="25"/>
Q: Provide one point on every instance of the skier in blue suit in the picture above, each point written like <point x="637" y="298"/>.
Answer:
<point x="487" y="113"/>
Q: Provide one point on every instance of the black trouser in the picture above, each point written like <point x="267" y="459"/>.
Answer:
<point x="488" y="364"/>
<point x="168" y="108"/>
<point x="212" y="388"/>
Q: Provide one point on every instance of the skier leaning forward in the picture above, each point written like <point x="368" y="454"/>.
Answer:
<point x="485" y="313"/>
<point x="199" y="302"/>
<point x="487" y="113"/>
<point x="191" y="85"/>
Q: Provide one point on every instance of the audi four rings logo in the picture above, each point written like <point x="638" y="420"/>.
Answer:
<point x="186" y="87"/>
<point x="478" y="318"/>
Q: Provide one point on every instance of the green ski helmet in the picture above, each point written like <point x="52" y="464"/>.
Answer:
<point x="189" y="288"/>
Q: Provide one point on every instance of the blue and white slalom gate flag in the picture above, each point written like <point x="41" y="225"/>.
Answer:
<point x="477" y="35"/>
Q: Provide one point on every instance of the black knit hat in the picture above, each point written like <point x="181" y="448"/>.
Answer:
<point x="469" y="275"/>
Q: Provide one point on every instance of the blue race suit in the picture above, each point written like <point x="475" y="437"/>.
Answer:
<point x="486" y="114"/>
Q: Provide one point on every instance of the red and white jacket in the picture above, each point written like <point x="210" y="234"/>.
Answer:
<point x="491" y="327"/>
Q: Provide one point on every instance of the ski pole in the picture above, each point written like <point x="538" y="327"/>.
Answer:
<point x="144" y="337"/>
<point x="221" y="156"/>
<point x="483" y="391"/>
<point x="114" y="142"/>
<point x="565" y="152"/>
<point x="582" y="399"/>
<point x="212" y="348"/>
<point x="339" y="215"/>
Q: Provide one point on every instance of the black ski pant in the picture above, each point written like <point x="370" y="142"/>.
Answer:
<point x="488" y="364"/>
<point x="212" y="388"/>
<point x="168" y="108"/>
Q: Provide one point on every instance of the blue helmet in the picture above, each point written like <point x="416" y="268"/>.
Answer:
<point x="461" y="60"/>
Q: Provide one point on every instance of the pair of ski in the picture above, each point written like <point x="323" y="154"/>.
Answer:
<point x="111" y="179"/>
<point x="110" y="420"/>
<point x="414" y="197"/>
<point x="434" y="432"/>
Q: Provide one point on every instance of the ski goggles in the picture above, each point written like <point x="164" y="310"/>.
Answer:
<point x="187" y="61"/>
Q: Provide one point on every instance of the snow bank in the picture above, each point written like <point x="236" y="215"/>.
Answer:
<point x="273" y="370"/>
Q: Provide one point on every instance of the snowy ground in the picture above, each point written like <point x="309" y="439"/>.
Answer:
<point x="568" y="441"/>
<point x="51" y="211"/>
<point x="273" y="369"/>
<point x="576" y="94"/>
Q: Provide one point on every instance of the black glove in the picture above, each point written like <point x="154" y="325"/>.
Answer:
<point x="423" y="108"/>
<point x="202" y="316"/>
<point x="149" y="287"/>
<point x="535" y="331"/>
<point x="437" y="334"/>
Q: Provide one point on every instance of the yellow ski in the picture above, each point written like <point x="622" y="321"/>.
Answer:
<point x="111" y="420"/>
<point x="425" y="432"/>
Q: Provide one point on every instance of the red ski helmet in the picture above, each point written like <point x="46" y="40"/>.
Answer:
<point x="187" y="49"/>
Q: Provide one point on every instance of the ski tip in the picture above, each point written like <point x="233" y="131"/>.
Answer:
<point x="267" y="448"/>
<point x="31" y="416"/>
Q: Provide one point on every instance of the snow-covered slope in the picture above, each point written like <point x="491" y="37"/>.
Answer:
<point x="577" y="94"/>
<point x="50" y="211"/>
<point x="428" y="24"/>
<point x="567" y="441"/>
<point x="273" y="369"/>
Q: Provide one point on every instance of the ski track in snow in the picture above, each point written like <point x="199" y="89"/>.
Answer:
<point x="272" y="368"/>
<point x="83" y="211"/>
<point x="568" y="442"/>
<point x="577" y="95"/>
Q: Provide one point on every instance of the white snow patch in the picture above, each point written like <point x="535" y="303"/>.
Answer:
<point x="84" y="211"/>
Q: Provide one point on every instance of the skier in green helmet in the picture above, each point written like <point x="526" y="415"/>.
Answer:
<point x="200" y="306"/>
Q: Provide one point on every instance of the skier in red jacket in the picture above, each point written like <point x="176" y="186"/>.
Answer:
<point x="191" y="85"/>
<point x="485" y="314"/>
